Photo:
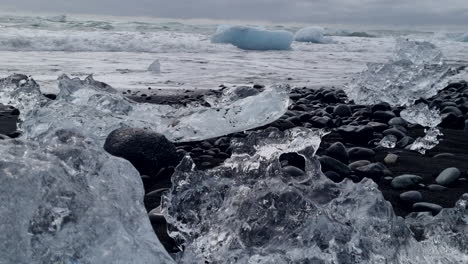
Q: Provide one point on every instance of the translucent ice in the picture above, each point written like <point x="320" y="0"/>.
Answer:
<point x="464" y="38"/>
<point x="250" y="211"/>
<point x="416" y="71"/>
<point x="311" y="34"/>
<point x="65" y="200"/>
<point x="97" y="109"/>
<point x="155" y="67"/>
<point x="422" y="115"/>
<point x="249" y="38"/>
<point x="389" y="141"/>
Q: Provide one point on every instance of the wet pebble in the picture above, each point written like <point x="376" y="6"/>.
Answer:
<point x="406" y="181"/>
<point x="427" y="207"/>
<point x="411" y="197"/>
<point x="448" y="176"/>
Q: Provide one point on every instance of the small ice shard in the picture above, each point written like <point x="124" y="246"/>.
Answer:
<point x="389" y="141"/>
<point x="98" y="109"/>
<point x="311" y="34"/>
<point x="249" y="210"/>
<point x="249" y="38"/>
<point x="65" y="200"/>
<point x="430" y="118"/>
<point x="155" y="67"/>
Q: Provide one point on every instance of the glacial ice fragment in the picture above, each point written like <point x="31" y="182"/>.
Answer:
<point x="97" y="109"/>
<point x="65" y="200"/>
<point x="416" y="71"/>
<point x="249" y="38"/>
<point x="249" y="211"/>
<point x="155" y="67"/>
<point x="311" y="34"/>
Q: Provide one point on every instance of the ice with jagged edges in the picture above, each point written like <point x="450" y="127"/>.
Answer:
<point x="98" y="109"/>
<point x="250" y="38"/>
<point x="417" y="71"/>
<point x="65" y="200"/>
<point x="311" y="34"/>
<point x="429" y="118"/>
<point x="249" y="211"/>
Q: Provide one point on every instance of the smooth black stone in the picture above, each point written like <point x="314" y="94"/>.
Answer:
<point x="374" y="171"/>
<point x="444" y="155"/>
<point x="453" y="121"/>
<point x="411" y="197"/>
<point x="383" y="116"/>
<point x="427" y="207"/>
<point x="394" y="132"/>
<point x="381" y="107"/>
<point x="452" y="109"/>
<point x="293" y="159"/>
<point x="293" y="171"/>
<point x="338" y="151"/>
<point x="321" y="122"/>
<point x="405" y="141"/>
<point x="398" y="121"/>
<point x="331" y="164"/>
<point x="153" y="199"/>
<point x="377" y="126"/>
<point x="359" y="153"/>
<point x="358" y="163"/>
<point x="148" y="151"/>
<point x="335" y="177"/>
<point x="283" y="124"/>
<point x="342" y="110"/>
<point x="160" y="226"/>
<point x="356" y="134"/>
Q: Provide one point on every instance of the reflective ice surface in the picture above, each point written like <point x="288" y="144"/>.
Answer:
<point x="251" y="211"/>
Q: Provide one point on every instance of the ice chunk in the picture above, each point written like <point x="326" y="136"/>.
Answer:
<point x="65" y="200"/>
<point x="389" y="141"/>
<point x="155" y="67"/>
<point x="464" y="38"/>
<point x="416" y="71"/>
<point x="422" y="115"/>
<point x="97" y="109"/>
<point x="311" y="34"/>
<point x="250" y="211"/>
<point x="249" y="38"/>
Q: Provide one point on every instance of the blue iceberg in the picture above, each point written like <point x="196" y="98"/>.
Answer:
<point x="312" y="34"/>
<point x="249" y="38"/>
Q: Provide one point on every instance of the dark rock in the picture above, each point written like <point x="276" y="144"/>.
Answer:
<point x="293" y="171"/>
<point x="160" y="227"/>
<point x="338" y="151"/>
<point x="452" y="109"/>
<point x="453" y="121"/>
<point x="292" y="159"/>
<point x="342" y="110"/>
<point x="153" y="199"/>
<point x="3" y="137"/>
<point x="406" y="181"/>
<point x="394" y="132"/>
<point x="15" y="134"/>
<point x="448" y="176"/>
<point x="383" y="116"/>
<point x="321" y="122"/>
<point x="405" y="141"/>
<point x="331" y="164"/>
<point x="391" y="159"/>
<point x="148" y="151"/>
<point x="283" y="124"/>
<point x="411" y="197"/>
<point x="356" y="134"/>
<point x="381" y="107"/>
<point x="436" y="188"/>
<point x="444" y="155"/>
<point x="359" y="153"/>
<point x="377" y="126"/>
<point x="398" y="121"/>
<point x="427" y="207"/>
<point x="335" y="177"/>
<point x="374" y="171"/>
<point x="359" y="163"/>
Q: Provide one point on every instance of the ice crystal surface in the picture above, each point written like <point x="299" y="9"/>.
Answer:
<point x="250" y="210"/>
<point x="97" y="109"/>
<point x="417" y="70"/>
<point x="64" y="200"/>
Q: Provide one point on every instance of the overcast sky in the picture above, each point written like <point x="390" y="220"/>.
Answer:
<point x="419" y="12"/>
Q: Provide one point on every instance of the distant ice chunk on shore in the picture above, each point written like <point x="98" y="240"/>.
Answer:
<point x="312" y="34"/>
<point x="249" y="38"/>
<point x="464" y="38"/>
<point x="155" y="67"/>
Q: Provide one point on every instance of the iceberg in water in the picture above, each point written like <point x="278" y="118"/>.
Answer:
<point x="97" y="109"/>
<point x="155" y="67"/>
<point x="464" y="38"/>
<point x="65" y="200"/>
<point x="249" y="38"/>
<point x="312" y="34"/>
<point x="250" y="210"/>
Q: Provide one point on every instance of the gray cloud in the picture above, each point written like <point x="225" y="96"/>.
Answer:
<point x="318" y="11"/>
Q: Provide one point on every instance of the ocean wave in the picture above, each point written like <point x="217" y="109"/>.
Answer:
<point x="72" y="41"/>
